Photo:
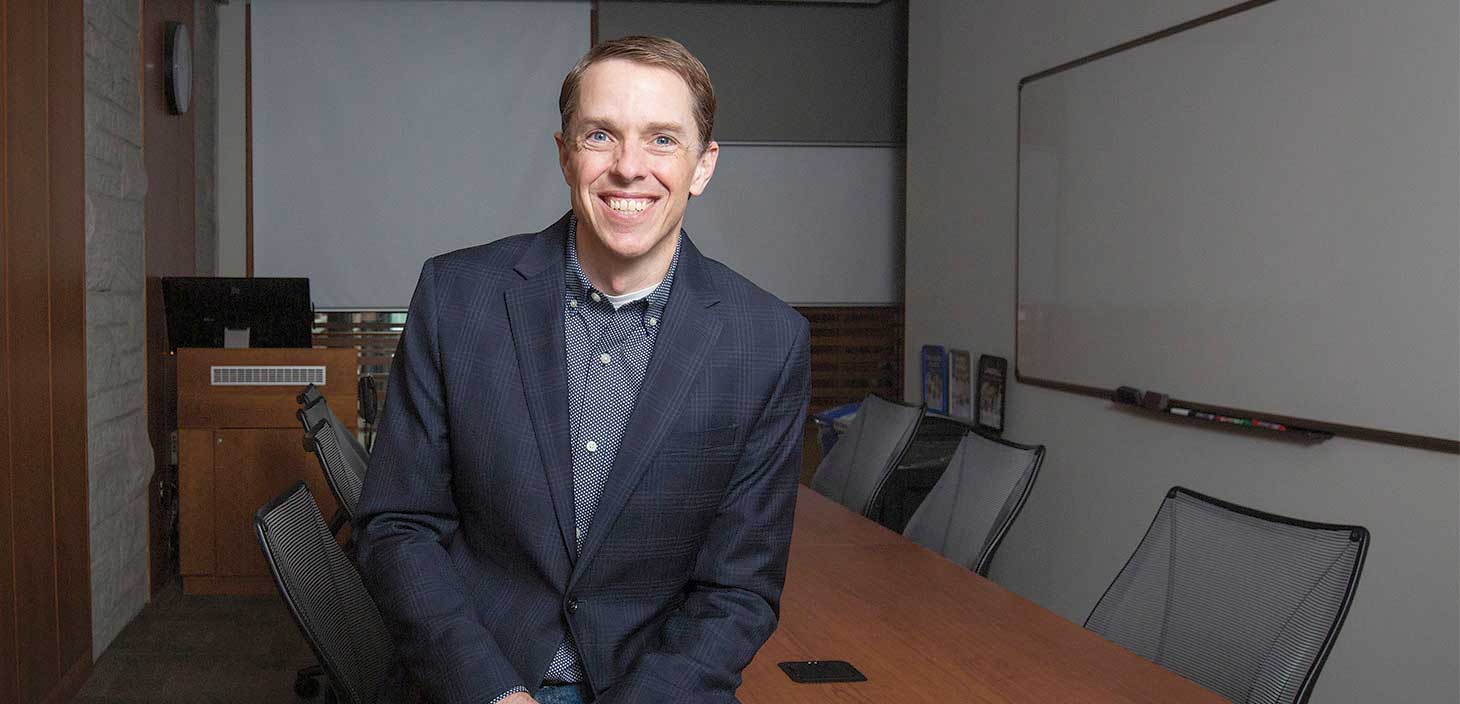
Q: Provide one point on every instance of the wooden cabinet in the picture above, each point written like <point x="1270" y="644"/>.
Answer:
<point x="240" y="445"/>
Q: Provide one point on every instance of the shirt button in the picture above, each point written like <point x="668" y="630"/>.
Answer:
<point x="580" y="533"/>
<point x="590" y="446"/>
<point x="596" y="297"/>
<point x="652" y="322"/>
<point x="605" y="358"/>
<point x="572" y="303"/>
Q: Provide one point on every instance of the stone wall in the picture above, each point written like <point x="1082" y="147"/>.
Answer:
<point x="118" y="451"/>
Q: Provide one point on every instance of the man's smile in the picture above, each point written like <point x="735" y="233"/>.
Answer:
<point x="630" y="206"/>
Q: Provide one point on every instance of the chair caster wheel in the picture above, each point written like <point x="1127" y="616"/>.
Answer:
<point x="305" y="686"/>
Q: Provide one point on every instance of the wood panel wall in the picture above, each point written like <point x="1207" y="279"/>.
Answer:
<point x="171" y="243"/>
<point x="855" y="350"/>
<point x="45" y="582"/>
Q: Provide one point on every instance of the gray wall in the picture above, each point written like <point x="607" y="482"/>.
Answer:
<point x="1106" y="470"/>
<point x="787" y="72"/>
<point x="118" y="452"/>
<point x="230" y="186"/>
<point x="205" y="135"/>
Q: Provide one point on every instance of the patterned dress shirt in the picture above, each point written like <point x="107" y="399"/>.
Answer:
<point x="607" y="354"/>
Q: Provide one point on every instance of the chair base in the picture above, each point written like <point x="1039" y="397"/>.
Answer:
<point x="306" y="681"/>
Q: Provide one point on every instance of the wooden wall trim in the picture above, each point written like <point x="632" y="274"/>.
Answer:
<point x="28" y="172"/>
<point x="9" y="658"/>
<point x="45" y="621"/>
<point x="67" y="147"/>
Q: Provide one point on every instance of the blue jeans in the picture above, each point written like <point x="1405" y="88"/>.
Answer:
<point x="564" y="694"/>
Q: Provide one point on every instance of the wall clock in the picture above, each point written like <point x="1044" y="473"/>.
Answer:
<point x="178" y="62"/>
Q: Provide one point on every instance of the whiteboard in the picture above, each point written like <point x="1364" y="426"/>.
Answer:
<point x="1258" y="212"/>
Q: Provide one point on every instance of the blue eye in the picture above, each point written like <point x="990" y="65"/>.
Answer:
<point x="597" y="136"/>
<point x="663" y="141"/>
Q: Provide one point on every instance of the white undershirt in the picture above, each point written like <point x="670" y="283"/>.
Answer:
<point x="624" y="299"/>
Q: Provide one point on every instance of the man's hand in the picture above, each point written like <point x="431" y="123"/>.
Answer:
<point x="518" y="698"/>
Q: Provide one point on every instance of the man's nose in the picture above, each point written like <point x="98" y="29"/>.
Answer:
<point x="630" y="162"/>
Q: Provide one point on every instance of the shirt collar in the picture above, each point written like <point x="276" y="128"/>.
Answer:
<point x="579" y="287"/>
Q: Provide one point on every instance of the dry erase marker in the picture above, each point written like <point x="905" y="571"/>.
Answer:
<point x="1188" y="413"/>
<point x="1254" y="422"/>
<point x="1234" y="421"/>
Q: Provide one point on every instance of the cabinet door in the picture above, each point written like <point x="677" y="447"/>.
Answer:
<point x="251" y="467"/>
<point x="196" y="510"/>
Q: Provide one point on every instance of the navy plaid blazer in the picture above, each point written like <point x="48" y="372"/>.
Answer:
<point x="465" y="529"/>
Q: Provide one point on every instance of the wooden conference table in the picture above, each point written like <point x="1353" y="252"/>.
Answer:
<point x="923" y="629"/>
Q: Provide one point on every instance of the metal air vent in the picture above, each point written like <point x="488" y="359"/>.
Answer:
<point x="272" y="375"/>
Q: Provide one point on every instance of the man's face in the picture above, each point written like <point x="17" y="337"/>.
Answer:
<point x="632" y="158"/>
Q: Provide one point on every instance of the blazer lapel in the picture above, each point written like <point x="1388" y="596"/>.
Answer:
<point x="535" y="314"/>
<point x="684" y="342"/>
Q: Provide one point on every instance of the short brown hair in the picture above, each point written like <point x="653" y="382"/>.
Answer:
<point x="660" y="52"/>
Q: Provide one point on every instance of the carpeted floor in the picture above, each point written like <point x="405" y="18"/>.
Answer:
<point x="201" y="650"/>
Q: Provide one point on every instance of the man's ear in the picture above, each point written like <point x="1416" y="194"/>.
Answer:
<point x="704" y="168"/>
<point x="563" y="150"/>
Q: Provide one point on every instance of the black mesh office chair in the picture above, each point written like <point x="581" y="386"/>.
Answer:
<point x="313" y="407"/>
<point x="309" y="396"/>
<point x="854" y="471"/>
<point x="343" y="461"/>
<point x="344" y="469"/>
<point x="1245" y="603"/>
<point x="341" y="457"/>
<point x="973" y="504"/>
<point x="918" y="470"/>
<point x="325" y="595"/>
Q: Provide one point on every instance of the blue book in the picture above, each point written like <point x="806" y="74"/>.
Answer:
<point x="935" y="378"/>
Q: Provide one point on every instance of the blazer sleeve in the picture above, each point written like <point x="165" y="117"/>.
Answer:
<point x="406" y="518"/>
<point x="733" y="598"/>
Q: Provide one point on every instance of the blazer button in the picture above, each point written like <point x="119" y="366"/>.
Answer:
<point x="572" y="606"/>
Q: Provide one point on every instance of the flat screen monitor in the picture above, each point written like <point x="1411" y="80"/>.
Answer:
<point x="276" y="312"/>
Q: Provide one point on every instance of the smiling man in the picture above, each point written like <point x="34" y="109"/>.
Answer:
<point x="585" y="476"/>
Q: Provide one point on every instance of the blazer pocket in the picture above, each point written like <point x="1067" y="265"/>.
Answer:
<point x="701" y="441"/>
<point x="718" y="437"/>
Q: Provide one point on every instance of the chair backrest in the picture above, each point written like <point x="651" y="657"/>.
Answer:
<point x="344" y="468"/>
<point x="313" y="406"/>
<point x="921" y="466"/>
<point x="342" y="458"/>
<point x="855" y="469"/>
<point x="309" y="396"/>
<point x="325" y="595"/>
<point x="1245" y="603"/>
<point x="973" y="504"/>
